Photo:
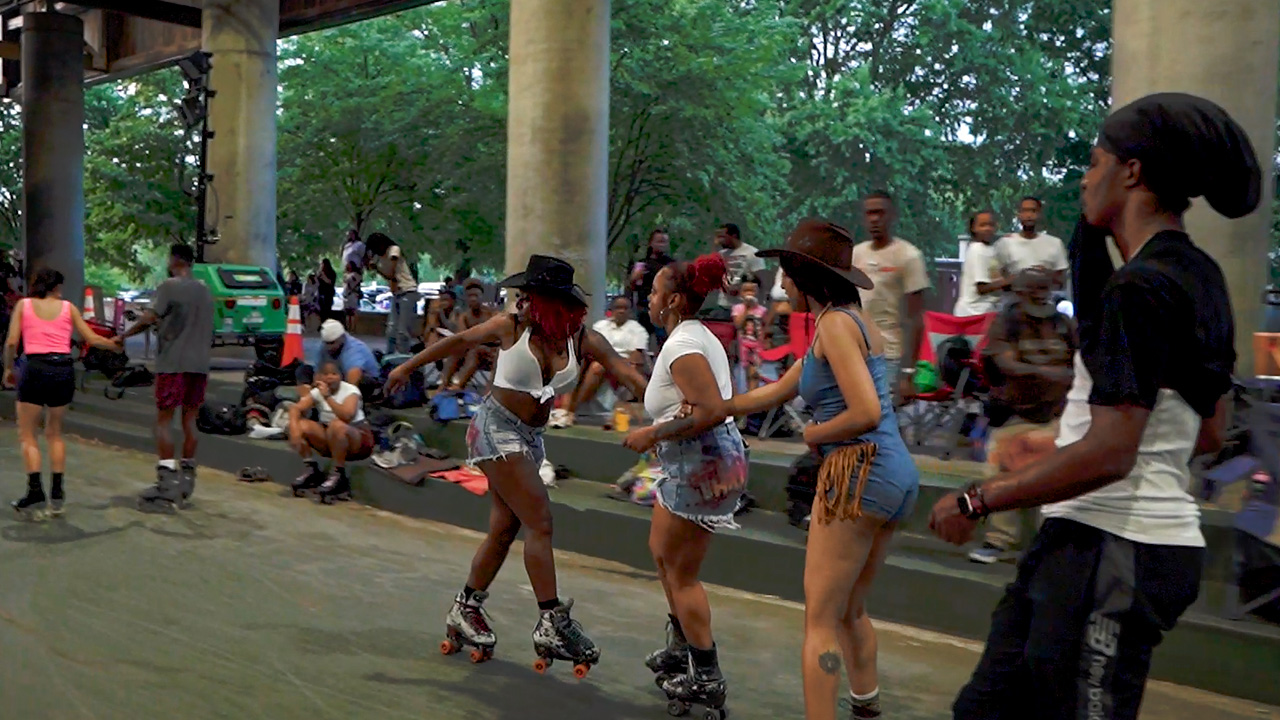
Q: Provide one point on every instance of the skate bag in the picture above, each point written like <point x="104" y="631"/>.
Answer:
<point x="449" y="406"/>
<point x="131" y="377"/>
<point x="220" y="418"/>
<point x="412" y="395"/>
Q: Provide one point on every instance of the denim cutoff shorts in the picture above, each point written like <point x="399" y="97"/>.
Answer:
<point x="496" y="433"/>
<point x="704" y="477"/>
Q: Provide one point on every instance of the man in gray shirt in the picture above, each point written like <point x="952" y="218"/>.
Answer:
<point x="182" y="312"/>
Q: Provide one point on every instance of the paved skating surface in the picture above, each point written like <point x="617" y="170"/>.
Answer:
<point x="254" y="605"/>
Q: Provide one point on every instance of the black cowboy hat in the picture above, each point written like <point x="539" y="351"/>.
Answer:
<point x="823" y="248"/>
<point x="548" y="275"/>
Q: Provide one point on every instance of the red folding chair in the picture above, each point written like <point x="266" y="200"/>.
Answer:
<point x="800" y="331"/>
<point x="935" y="418"/>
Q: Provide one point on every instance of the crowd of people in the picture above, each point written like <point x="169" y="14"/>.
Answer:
<point x="1094" y="421"/>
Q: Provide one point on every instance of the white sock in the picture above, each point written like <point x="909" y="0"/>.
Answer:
<point x="169" y="464"/>
<point x="863" y="698"/>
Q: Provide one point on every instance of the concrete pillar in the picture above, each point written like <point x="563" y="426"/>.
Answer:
<point x="241" y="207"/>
<point x="53" y="146"/>
<point x="558" y="137"/>
<point x="1227" y="51"/>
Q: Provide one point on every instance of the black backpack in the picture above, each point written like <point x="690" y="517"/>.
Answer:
<point x="219" y="418"/>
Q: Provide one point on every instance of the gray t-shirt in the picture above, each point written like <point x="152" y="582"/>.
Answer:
<point x="185" y="330"/>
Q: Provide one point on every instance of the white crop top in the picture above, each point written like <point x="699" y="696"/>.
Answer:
<point x="517" y="369"/>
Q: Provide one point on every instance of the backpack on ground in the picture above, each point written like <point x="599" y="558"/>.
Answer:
<point x="414" y="392"/>
<point x="449" y="406"/>
<point x="134" y="376"/>
<point x="220" y="418"/>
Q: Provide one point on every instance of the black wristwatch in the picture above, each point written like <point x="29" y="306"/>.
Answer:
<point x="971" y="503"/>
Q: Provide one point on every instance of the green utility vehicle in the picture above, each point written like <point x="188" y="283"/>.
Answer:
<point x="248" y="304"/>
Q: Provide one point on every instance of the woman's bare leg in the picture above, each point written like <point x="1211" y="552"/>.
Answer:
<point x="28" y="429"/>
<point x="516" y="481"/>
<point x="503" y="528"/>
<point x="858" y="637"/>
<point x="54" y="440"/>
<point x="679" y="548"/>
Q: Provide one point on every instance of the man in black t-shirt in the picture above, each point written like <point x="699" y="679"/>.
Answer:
<point x="1118" y="558"/>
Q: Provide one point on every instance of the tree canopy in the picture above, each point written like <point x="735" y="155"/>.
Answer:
<point x="750" y="112"/>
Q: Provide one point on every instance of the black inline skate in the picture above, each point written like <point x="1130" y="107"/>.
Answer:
<point x="557" y="636"/>
<point x="337" y="487"/>
<point x="165" y="495"/>
<point x="187" y="480"/>
<point x="704" y="686"/>
<point x="672" y="659"/>
<point x="467" y="625"/>
<point x="313" y="478"/>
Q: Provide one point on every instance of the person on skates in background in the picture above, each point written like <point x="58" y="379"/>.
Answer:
<point x="867" y="483"/>
<point x="342" y="434"/>
<point x="183" y="311"/>
<point x="542" y="349"/>
<point x="1119" y="556"/>
<point x="705" y="472"/>
<point x="43" y="324"/>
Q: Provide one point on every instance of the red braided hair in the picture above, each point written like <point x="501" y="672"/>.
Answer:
<point x="698" y="278"/>
<point x="555" y="317"/>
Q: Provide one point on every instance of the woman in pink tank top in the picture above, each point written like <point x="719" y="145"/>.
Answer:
<point x="43" y="324"/>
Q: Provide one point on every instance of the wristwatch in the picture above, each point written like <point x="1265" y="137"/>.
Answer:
<point x="972" y="505"/>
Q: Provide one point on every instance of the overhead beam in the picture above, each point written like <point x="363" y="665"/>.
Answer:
<point x="159" y="10"/>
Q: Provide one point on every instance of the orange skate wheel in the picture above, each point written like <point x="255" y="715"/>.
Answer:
<point x="540" y="665"/>
<point x="580" y="671"/>
<point x="479" y="655"/>
<point x="449" y="647"/>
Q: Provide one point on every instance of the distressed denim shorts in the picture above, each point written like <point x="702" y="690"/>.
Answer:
<point x="704" y="477"/>
<point x="496" y="433"/>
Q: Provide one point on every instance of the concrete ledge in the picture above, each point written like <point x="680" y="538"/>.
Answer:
<point x="924" y="583"/>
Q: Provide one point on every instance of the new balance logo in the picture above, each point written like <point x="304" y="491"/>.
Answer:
<point x="1102" y="634"/>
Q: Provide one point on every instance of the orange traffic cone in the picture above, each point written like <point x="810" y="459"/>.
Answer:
<point x="88" y="312"/>
<point x="293" y="334"/>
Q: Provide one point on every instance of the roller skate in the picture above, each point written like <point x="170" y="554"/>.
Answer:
<point x="308" y="481"/>
<point x="703" y="686"/>
<point x="862" y="709"/>
<point x="559" y="637"/>
<point x="187" y="479"/>
<point x="56" y="499"/>
<point x="337" y="487"/>
<point x="31" y="507"/>
<point x="467" y="625"/>
<point x="165" y="495"/>
<point x="672" y="659"/>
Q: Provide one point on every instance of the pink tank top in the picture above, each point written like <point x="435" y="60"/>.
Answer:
<point x="46" y="337"/>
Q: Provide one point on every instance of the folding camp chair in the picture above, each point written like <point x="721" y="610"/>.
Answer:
<point x="800" y="329"/>
<point x="935" y="418"/>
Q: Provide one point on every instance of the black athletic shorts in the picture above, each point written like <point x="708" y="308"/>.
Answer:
<point x="47" y="381"/>
<point x="1072" y="637"/>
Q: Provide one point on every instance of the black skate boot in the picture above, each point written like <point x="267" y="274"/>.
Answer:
<point x="672" y="659"/>
<point x="165" y="495"/>
<point x="467" y="625"/>
<point x="703" y="686"/>
<point x="862" y="709"/>
<point x="32" y="505"/>
<point x="56" y="496"/>
<point x="187" y="479"/>
<point x="308" y="481"/>
<point x="557" y="636"/>
<point x="336" y="487"/>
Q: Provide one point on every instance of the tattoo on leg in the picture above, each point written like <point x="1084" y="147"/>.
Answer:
<point x="829" y="661"/>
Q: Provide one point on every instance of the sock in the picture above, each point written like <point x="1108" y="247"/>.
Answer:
<point x="55" y="484"/>
<point x="468" y="594"/>
<point x="169" y="464"/>
<point x="675" y="625"/>
<point x="33" y="482"/>
<point x="863" y="698"/>
<point x="551" y="604"/>
<point x="340" y="471"/>
<point x="311" y="464"/>
<point x="704" y="658"/>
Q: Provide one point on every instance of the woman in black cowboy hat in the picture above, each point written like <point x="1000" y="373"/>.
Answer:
<point x="543" y="347"/>
<point x="1118" y="558"/>
<point x="867" y="483"/>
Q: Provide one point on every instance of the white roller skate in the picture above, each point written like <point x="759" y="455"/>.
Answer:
<point x="557" y="636"/>
<point x="467" y="625"/>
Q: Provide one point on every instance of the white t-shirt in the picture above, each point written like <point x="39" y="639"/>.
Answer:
<point x="980" y="266"/>
<point x="1017" y="253"/>
<point x="897" y="270"/>
<point x="345" y="390"/>
<point x="1151" y="505"/>
<point x="631" y="336"/>
<point x="402" y="281"/>
<point x="663" y="399"/>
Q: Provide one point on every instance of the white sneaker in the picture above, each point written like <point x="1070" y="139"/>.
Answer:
<point x="560" y="419"/>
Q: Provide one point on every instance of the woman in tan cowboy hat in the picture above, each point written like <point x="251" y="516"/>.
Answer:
<point x="868" y="481"/>
<point x="543" y="347"/>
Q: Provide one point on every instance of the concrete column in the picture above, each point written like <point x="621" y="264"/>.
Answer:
<point x="241" y="207"/>
<point x="1227" y="51"/>
<point x="558" y="137"/>
<point x="53" y="146"/>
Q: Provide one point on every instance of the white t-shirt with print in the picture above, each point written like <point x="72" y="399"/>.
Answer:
<point x="345" y="390"/>
<point x="624" y="339"/>
<point x="980" y="266"/>
<point x="1017" y="253"/>
<point x="663" y="398"/>
<point x="1151" y="504"/>
<point x="897" y="270"/>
